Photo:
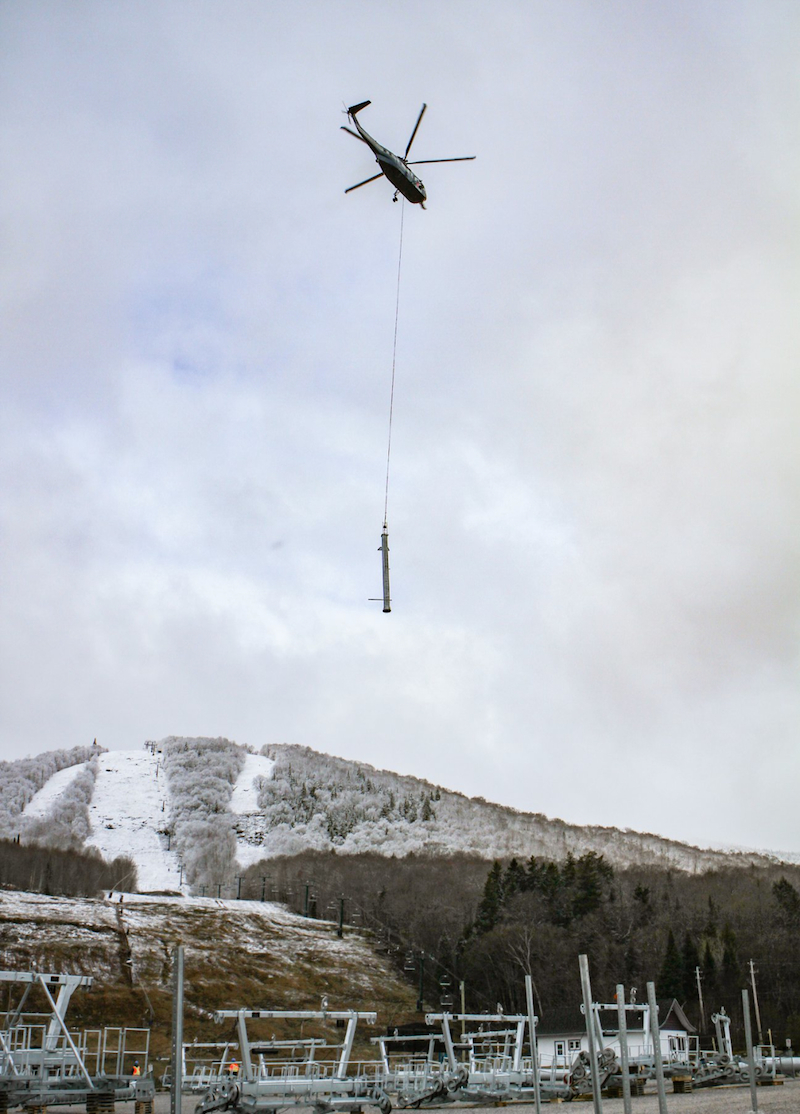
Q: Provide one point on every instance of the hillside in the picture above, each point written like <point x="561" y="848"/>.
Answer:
<point x="194" y="812"/>
<point x="313" y="801"/>
<point x="237" y="953"/>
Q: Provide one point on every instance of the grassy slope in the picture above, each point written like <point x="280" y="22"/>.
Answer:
<point x="236" y="954"/>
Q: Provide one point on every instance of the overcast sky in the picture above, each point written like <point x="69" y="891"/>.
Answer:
<point x="594" y="473"/>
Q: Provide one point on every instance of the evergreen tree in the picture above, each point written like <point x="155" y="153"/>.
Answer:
<point x="514" y="879"/>
<point x="670" y="980"/>
<point x="731" y="975"/>
<point x="591" y="872"/>
<point x="788" y="901"/>
<point x="710" y="979"/>
<point x="691" y="960"/>
<point x="492" y="901"/>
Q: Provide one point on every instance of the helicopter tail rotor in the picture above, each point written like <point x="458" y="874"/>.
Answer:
<point x="357" y="108"/>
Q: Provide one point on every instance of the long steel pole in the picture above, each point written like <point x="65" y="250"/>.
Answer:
<point x="537" y="1101"/>
<point x="586" y="987"/>
<point x="622" y="1025"/>
<point x="387" y="596"/>
<point x="655" y="1033"/>
<point x="177" y="1032"/>
<point x="751" y="1060"/>
<point x="755" y="1001"/>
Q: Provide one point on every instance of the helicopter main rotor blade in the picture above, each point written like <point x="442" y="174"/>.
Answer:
<point x="355" y="135"/>
<point x="358" y="185"/>
<point x="416" y="126"/>
<point x="459" y="158"/>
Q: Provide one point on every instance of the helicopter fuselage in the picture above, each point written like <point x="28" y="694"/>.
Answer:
<point x="395" y="168"/>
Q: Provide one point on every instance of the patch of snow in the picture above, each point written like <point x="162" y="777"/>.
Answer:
<point x="129" y="809"/>
<point x="42" y="802"/>
<point x="248" y="853"/>
<point x="245" y="793"/>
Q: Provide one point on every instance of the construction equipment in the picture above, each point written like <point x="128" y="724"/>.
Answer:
<point x="263" y="1084"/>
<point x="43" y="1063"/>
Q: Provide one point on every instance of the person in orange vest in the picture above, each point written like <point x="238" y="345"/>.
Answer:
<point x="233" y="1067"/>
<point x="136" y="1069"/>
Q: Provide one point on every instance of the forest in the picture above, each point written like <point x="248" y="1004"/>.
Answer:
<point x="62" y="872"/>
<point x="444" y="920"/>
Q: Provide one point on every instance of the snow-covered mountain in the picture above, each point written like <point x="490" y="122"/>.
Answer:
<point x="195" y="811"/>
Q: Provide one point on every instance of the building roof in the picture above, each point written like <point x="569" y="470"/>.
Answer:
<point x="673" y="1015"/>
<point x="570" y="1022"/>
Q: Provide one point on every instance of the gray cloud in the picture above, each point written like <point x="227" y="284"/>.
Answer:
<point x="592" y="528"/>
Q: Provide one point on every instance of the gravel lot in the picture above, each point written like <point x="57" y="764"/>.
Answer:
<point x="713" y="1100"/>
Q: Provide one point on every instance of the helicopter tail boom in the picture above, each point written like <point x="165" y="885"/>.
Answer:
<point x="357" y="108"/>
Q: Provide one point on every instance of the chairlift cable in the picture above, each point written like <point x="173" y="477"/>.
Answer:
<point x="394" y="365"/>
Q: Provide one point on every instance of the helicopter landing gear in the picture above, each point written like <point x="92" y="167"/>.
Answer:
<point x="395" y="195"/>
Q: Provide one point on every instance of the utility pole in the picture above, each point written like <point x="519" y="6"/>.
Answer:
<point x="239" y="880"/>
<point x="751" y="1060"/>
<point x="340" y="929"/>
<point x="755" y="1001"/>
<point x="263" y="888"/>
<point x="699" y="977"/>
<point x="177" y="1032"/>
<point x="305" y="900"/>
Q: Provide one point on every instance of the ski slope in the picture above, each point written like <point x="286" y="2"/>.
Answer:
<point x="244" y="804"/>
<point x="245" y="793"/>
<point x="41" y="803"/>
<point x="129" y="809"/>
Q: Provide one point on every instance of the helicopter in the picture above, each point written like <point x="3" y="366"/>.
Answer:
<point x="396" y="168"/>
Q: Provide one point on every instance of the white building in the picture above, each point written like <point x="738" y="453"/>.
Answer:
<point x="562" y="1036"/>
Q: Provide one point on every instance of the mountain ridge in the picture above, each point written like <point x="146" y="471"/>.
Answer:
<point x="194" y="811"/>
<point x="457" y="822"/>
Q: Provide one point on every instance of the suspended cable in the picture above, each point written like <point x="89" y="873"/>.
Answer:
<point x="384" y="547"/>
<point x="394" y="364"/>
